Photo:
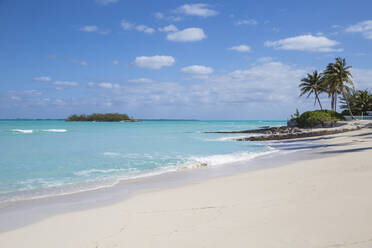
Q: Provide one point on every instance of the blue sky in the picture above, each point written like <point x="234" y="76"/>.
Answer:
<point x="174" y="59"/>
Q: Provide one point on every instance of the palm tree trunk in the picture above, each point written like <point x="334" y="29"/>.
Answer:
<point x="317" y="98"/>
<point x="335" y="101"/>
<point x="348" y="104"/>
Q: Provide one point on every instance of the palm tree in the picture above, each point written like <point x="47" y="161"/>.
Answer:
<point x="363" y="101"/>
<point x="336" y="77"/>
<point x="312" y="85"/>
<point x="360" y="102"/>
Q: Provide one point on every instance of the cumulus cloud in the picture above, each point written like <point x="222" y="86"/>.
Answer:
<point x="141" y="80"/>
<point x="89" y="29"/>
<point x="246" y="22"/>
<point x="241" y="48"/>
<point x="161" y="16"/>
<point x="169" y="28"/>
<point x="187" y="35"/>
<point x="106" y="2"/>
<point x="108" y="85"/>
<point x="141" y="28"/>
<point x="42" y="79"/>
<point x="197" y="69"/>
<point x="362" y="78"/>
<point x="254" y="89"/>
<point x="66" y="83"/>
<point x="197" y="9"/>
<point x="154" y="62"/>
<point x="365" y="28"/>
<point x="145" y="29"/>
<point x="305" y="43"/>
<point x="264" y="59"/>
<point x="93" y="29"/>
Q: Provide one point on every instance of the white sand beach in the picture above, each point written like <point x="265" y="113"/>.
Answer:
<point x="322" y="202"/>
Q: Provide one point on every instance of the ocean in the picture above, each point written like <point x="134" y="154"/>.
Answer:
<point x="41" y="158"/>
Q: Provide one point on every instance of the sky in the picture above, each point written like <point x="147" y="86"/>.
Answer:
<point x="219" y="60"/>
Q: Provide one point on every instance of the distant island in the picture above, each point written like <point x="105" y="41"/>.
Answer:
<point x="109" y="117"/>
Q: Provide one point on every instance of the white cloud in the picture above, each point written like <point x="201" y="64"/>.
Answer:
<point x="197" y="69"/>
<point x="264" y="59"/>
<point x="365" y="28"/>
<point x="159" y="15"/>
<point x="141" y="80"/>
<point x="241" y="48"/>
<point x="362" y="78"/>
<point x="305" y="43"/>
<point x="59" y="102"/>
<point x="145" y="29"/>
<point x="42" y="79"/>
<point x="89" y="29"/>
<point x="66" y="83"/>
<point x="154" y="62"/>
<point x="127" y="25"/>
<point x="169" y="28"/>
<point x="197" y="9"/>
<point x="246" y="22"/>
<point x="187" y="35"/>
<point x="15" y="98"/>
<point x="108" y="85"/>
<point x="115" y="62"/>
<point x="106" y="2"/>
<point x="83" y="63"/>
<point x="275" y="29"/>
<point x="93" y="29"/>
<point x="59" y="88"/>
<point x="91" y="84"/>
<point x="32" y="92"/>
<point x="141" y="28"/>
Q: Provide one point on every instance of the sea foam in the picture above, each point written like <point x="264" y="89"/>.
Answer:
<point x="22" y="130"/>
<point x="55" y="130"/>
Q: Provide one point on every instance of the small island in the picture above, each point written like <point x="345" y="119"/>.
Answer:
<point x="109" y="117"/>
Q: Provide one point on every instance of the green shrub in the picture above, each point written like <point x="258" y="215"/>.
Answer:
<point x="318" y="117"/>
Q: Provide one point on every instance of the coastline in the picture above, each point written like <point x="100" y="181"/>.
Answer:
<point x="194" y="203"/>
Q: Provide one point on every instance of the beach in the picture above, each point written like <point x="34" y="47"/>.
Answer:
<point x="320" y="202"/>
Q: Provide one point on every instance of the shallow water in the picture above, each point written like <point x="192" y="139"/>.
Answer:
<point x="49" y="157"/>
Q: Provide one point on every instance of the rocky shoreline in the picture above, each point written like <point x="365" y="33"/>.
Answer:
<point x="284" y="132"/>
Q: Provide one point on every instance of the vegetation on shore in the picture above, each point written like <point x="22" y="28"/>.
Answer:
<point x="109" y="117"/>
<point x="319" y="118"/>
<point x="360" y="102"/>
<point x="334" y="81"/>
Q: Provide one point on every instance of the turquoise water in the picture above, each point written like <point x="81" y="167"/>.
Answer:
<point x="47" y="157"/>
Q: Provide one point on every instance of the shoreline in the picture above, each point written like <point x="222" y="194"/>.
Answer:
<point x="123" y="189"/>
<point x="287" y="133"/>
<point x="81" y="187"/>
<point x="326" y="150"/>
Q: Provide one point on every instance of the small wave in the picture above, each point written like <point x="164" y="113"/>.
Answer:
<point x="39" y="182"/>
<point x="99" y="171"/>
<point x="111" y="154"/>
<point x="221" y="159"/>
<point x="55" y="130"/>
<point x="230" y="138"/>
<point x="22" y="130"/>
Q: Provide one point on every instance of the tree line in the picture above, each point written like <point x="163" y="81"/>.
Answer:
<point x="99" y="117"/>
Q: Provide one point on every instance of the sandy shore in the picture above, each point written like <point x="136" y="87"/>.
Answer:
<point x="323" y="202"/>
